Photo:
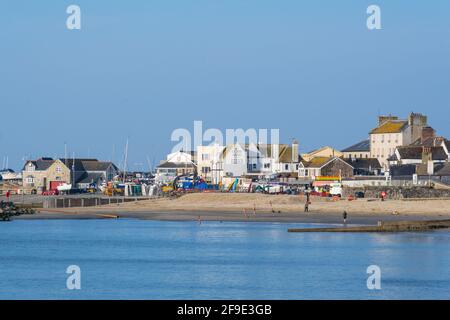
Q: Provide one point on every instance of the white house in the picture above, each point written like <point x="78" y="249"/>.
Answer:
<point x="210" y="162"/>
<point x="176" y="163"/>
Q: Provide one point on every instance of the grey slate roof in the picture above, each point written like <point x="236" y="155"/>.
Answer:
<point x="91" y="178"/>
<point x="415" y="152"/>
<point x="88" y="164"/>
<point x="41" y="164"/>
<point x="444" y="170"/>
<point x="362" y="146"/>
<point x="176" y="165"/>
<point x="365" y="163"/>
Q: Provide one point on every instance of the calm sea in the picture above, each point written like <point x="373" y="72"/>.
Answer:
<point x="133" y="259"/>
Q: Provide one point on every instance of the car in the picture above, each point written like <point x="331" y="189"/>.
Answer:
<point x="359" y="194"/>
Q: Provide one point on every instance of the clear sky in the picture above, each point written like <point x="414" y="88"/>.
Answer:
<point x="141" y="69"/>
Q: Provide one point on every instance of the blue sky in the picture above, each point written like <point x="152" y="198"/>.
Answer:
<point x="141" y="69"/>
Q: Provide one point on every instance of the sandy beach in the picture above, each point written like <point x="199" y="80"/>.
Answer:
<point x="259" y="207"/>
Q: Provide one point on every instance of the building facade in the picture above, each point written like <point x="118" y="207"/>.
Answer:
<point x="44" y="174"/>
<point x="391" y="133"/>
<point x="360" y="150"/>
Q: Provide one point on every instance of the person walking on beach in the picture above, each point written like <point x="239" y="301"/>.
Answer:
<point x="307" y="206"/>
<point x="344" y="215"/>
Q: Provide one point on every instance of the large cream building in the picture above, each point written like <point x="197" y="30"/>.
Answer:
<point x="392" y="132"/>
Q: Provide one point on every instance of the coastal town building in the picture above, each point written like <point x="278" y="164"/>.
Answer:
<point x="392" y="132"/>
<point x="47" y="174"/>
<point x="261" y="160"/>
<point x="44" y="174"/>
<point x="210" y="163"/>
<point x="326" y="152"/>
<point x="365" y="166"/>
<point x="90" y="172"/>
<point x="325" y="166"/>
<point x="235" y="160"/>
<point x="9" y="176"/>
<point x="176" y="164"/>
<point x="360" y="150"/>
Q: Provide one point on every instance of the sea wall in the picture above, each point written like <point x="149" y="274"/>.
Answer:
<point x="398" y="192"/>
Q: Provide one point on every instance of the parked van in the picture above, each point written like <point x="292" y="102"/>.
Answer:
<point x="336" y="189"/>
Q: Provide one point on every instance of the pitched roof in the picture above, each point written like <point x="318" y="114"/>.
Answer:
<point x="284" y="151"/>
<point x="362" y="146"/>
<point x="447" y="144"/>
<point x="41" y="164"/>
<point x="317" y="162"/>
<point x="90" y="178"/>
<point x="429" y="142"/>
<point x="364" y="163"/>
<point x="320" y="149"/>
<point x="87" y="164"/>
<point x="176" y="165"/>
<point x="390" y="126"/>
<point x="444" y="170"/>
<point x="415" y="152"/>
<point x="403" y="170"/>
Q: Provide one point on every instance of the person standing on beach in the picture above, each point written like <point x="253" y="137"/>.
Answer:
<point x="344" y="215"/>
<point x="307" y="206"/>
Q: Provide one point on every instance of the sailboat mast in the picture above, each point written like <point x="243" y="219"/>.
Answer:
<point x="125" y="161"/>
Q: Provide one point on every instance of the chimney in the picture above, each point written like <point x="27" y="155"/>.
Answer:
<point x="294" y="150"/>
<point x="383" y="119"/>
<point x="417" y="119"/>
<point x="427" y="155"/>
<point x="427" y="132"/>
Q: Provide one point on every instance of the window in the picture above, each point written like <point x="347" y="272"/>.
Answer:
<point x="286" y="167"/>
<point x="30" y="179"/>
<point x="205" y="156"/>
<point x="30" y="167"/>
<point x="58" y="169"/>
<point x="206" y="169"/>
<point x="254" y="166"/>
<point x="266" y="165"/>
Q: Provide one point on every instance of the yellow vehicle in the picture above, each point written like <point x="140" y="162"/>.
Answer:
<point x="167" y="188"/>
<point x="113" y="190"/>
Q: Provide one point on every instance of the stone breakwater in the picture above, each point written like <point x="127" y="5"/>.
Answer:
<point x="399" y="192"/>
<point x="397" y="226"/>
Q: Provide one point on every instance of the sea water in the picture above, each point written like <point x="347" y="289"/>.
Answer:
<point x="137" y="259"/>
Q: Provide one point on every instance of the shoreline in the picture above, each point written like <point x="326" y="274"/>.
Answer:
<point x="242" y="207"/>
<point x="219" y="216"/>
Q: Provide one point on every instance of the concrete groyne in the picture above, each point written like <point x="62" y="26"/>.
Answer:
<point x="397" y="226"/>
